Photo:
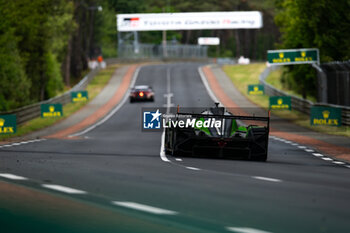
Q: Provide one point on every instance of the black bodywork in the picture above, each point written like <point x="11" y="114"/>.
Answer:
<point x="252" y="144"/>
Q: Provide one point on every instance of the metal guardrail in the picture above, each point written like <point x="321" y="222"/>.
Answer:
<point x="32" y="111"/>
<point x="298" y="103"/>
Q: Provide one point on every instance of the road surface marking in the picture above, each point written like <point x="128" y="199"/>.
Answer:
<point x="12" y="177"/>
<point x="309" y="150"/>
<point x="245" y="230"/>
<point x="347" y="166"/>
<point x="162" y="150"/>
<point x="266" y="179"/>
<point x="206" y="84"/>
<point x="111" y="113"/>
<point x="21" y="143"/>
<point x="327" y="159"/>
<point x="289" y="142"/>
<point x="177" y="159"/>
<point x="318" y="154"/>
<point x="301" y="147"/>
<point x="63" y="189"/>
<point x="338" y="162"/>
<point x="193" y="168"/>
<point x="168" y="105"/>
<point x="145" y="208"/>
<point x="295" y="144"/>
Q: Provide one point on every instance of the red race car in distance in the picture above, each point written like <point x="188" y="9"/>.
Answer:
<point x="141" y="93"/>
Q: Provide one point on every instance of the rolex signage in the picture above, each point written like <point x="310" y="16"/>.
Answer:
<point x="280" y="102"/>
<point x="256" y="89"/>
<point x="325" y="116"/>
<point x="51" y="110"/>
<point x="292" y="56"/>
<point x="8" y="124"/>
<point x="79" y="96"/>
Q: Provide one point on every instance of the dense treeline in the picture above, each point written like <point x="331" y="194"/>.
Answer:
<point x="322" y="24"/>
<point x="32" y="43"/>
<point x="45" y="45"/>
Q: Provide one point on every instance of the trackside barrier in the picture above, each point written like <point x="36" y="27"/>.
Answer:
<point x="32" y="111"/>
<point x="299" y="104"/>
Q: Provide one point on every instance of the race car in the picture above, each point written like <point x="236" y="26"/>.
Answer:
<point x="238" y="136"/>
<point x="141" y="93"/>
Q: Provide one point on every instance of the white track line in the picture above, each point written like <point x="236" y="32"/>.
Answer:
<point x="245" y="230"/>
<point x="295" y="144"/>
<point x="327" y="159"/>
<point x="318" y="154"/>
<point x="309" y="150"/>
<point x="21" y="143"/>
<point x="168" y="105"/>
<point x="111" y="113"/>
<point x="206" y="84"/>
<point x="266" y="178"/>
<point x="144" y="208"/>
<point x="193" y="168"/>
<point x="301" y="147"/>
<point x="63" y="189"/>
<point x="338" y="162"/>
<point x="178" y="159"/>
<point x="12" y="177"/>
<point x="162" y="150"/>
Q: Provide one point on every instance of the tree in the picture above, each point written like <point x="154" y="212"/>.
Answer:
<point x="319" y="24"/>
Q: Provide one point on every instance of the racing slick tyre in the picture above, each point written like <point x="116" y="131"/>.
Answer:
<point x="131" y="100"/>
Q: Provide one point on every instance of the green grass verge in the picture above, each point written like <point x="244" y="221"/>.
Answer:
<point x="94" y="88"/>
<point x="274" y="79"/>
<point x="243" y="75"/>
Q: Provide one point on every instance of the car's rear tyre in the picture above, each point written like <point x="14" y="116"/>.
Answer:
<point x="131" y="100"/>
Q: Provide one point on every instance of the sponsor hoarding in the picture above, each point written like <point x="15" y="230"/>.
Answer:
<point x="79" y="96"/>
<point x="8" y="124"/>
<point x="208" y="40"/>
<point x="325" y="116"/>
<point x="189" y="21"/>
<point x="256" y="89"/>
<point x="51" y="110"/>
<point x="293" y="56"/>
<point x="280" y="102"/>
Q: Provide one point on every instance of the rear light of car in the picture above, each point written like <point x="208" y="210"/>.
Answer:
<point x="141" y="94"/>
<point x="221" y="144"/>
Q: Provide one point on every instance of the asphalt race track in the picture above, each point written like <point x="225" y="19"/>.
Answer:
<point x="115" y="175"/>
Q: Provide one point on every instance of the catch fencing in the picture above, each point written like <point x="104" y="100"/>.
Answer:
<point x="153" y="51"/>
<point x="298" y="103"/>
<point x="338" y="82"/>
